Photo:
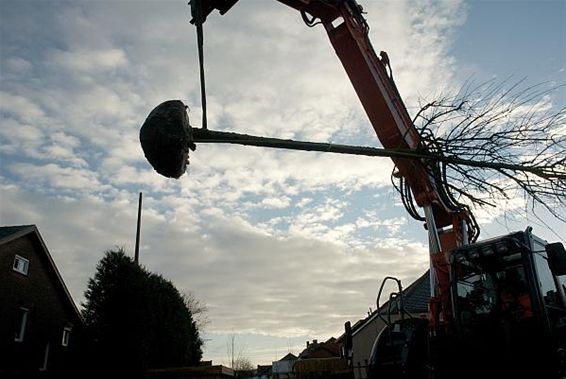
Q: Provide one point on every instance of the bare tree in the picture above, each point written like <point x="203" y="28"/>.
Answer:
<point x="237" y="355"/>
<point x="243" y="364"/>
<point x="495" y="141"/>
<point x="198" y="309"/>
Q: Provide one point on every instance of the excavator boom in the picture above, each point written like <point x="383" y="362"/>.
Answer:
<point x="446" y="221"/>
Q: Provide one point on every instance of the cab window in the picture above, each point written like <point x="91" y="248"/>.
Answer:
<point x="545" y="279"/>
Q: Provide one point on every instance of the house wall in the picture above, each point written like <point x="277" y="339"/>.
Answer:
<point x="283" y="369"/>
<point x="362" y="343"/>
<point x="49" y="313"/>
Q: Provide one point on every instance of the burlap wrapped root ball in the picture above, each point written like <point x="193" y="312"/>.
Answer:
<point x="166" y="137"/>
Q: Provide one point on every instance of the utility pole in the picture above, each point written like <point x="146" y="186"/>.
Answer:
<point x="137" y="253"/>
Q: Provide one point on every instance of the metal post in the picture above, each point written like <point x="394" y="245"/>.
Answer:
<point x="137" y="252"/>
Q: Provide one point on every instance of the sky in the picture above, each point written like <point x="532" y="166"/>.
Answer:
<point x="282" y="247"/>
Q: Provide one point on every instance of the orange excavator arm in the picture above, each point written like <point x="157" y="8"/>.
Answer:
<point x="446" y="221"/>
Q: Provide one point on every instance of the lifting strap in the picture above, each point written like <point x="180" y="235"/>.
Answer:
<point x="198" y="15"/>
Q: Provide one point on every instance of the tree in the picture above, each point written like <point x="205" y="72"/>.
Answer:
<point x="198" y="309"/>
<point x="243" y="364"/>
<point x="238" y="359"/>
<point x="137" y="319"/>
<point x="495" y="141"/>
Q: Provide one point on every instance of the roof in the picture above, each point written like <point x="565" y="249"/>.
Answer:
<point x="415" y="297"/>
<point x="289" y="357"/>
<point x="415" y="300"/>
<point x="327" y="349"/>
<point x="10" y="233"/>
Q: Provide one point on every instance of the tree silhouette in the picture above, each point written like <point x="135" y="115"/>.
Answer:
<point x="199" y="310"/>
<point x="137" y="320"/>
<point x="496" y="141"/>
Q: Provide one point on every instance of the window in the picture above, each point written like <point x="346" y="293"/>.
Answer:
<point x="22" y="323"/>
<point x="546" y="280"/>
<point x="66" y="335"/>
<point x="21" y="265"/>
<point x="45" y="358"/>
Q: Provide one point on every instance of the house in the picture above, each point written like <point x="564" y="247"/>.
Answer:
<point x="39" y="320"/>
<point x="314" y="349"/>
<point x="283" y="368"/>
<point x="364" y="332"/>
<point x="321" y="360"/>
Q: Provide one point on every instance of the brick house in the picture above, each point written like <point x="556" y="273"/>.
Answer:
<point x="39" y="321"/>
<point x="321" y="360"/>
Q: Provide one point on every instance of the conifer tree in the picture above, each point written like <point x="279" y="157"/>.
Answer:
<point x="136" y="319"/>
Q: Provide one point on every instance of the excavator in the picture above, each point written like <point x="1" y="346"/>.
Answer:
<point x="497" y="308"/>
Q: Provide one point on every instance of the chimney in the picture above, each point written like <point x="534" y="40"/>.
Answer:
<point x="308" y="343"/>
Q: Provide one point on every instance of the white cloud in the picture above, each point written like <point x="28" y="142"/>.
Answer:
<point x="87" y="60"/>
<point x="276" y="202"/>
<point x="18" y="137"/>
<point x="57" y="177"/>
<point x="18" y="65"/>
<point x="20" y="107"/>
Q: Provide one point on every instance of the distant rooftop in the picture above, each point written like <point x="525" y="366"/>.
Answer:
<point x="315" y="349"/>
<point x="289" y="357"/>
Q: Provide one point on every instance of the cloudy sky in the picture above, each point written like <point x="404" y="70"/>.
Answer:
<point x="282" y="246"/>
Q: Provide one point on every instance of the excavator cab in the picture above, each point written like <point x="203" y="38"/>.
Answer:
<point x="509" y="317"/>
<point x="509" y="307"/>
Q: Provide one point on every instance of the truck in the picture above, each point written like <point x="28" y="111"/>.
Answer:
<point x="497" y="307"/>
